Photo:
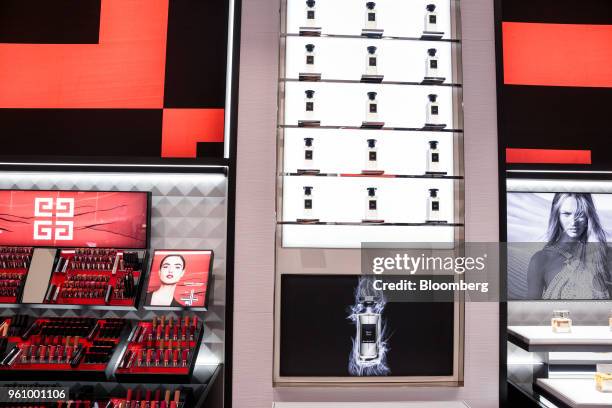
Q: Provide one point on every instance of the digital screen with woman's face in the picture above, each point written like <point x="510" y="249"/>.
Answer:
<point x="171" y="269"/>
<point x="179" y="278"/>
<point x="558" y="241"/>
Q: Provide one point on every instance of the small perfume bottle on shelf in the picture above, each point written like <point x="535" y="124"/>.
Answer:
<point x="370" y="28"/>
<point x="309" y="104"/>
<point x="371" y="118"/>
<point x="308" y="167"/>
<point x="432" y="75"/>
<point x="309" y="73"/>
<point x="433" y="110"/>
<point x="370" y="15"/>
<point x="561" y="322"/>
<point x="433" y="158"/>
<point x="310" y="59"/>
<point x="371" y="210"/>
<point x="308" y="152"/>
<point x="610" y="320"/>
<point x="368" y="330"/>
<point x="371" y="108"/>
<point x="371" y="156"/>
<point x="310" y="27"/>
<point x="371" y="61"/>
<point x="432" y="113"/>
<point x="603" y="378"/>
<point x="309" y="110"/>
<point x="307" y="206"/>
<point x="431" y="19"/>
<point x="311" y="16"/>
<point x="433" y="206"/>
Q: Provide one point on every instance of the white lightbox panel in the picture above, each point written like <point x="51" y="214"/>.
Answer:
<point x="348" y="236"/>
<point x="344" y="199"/>
<point x="345" y="104"/>
<point x="397" y="18"/>
<point x="344" y="151"/>
<point x="345" y="58"/>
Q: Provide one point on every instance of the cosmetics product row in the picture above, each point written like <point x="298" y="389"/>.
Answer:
<point x="372" y="64"/>
<point x="562" y="323"/>
<point x="372" y="109"/>
<point x="81" y="276"/>
<point x="99" y="348"/>
<point x="372" y="165"/>
<point x="371" y="215"/>
<point x="431" y="29"/>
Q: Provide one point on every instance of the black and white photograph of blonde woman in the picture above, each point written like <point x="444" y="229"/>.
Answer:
<point x="558" y="246"/>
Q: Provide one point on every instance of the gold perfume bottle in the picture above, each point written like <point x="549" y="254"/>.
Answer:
<point x="603" y="378"/>
<point x="561" y="322"/>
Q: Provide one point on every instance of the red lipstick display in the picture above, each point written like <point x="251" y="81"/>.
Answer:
<point x="156" y="349"/>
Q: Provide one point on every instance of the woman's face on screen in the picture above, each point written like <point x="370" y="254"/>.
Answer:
<point x="574" y="222"/>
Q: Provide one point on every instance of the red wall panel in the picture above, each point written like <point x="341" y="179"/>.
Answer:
<point x="557" y="54"/>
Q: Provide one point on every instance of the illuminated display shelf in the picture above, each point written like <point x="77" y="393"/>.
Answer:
<point x="419" y="176"/>
<point x="358" y="81"/>
<point x="340" y="81"/>
<point x="374" y="224"/>
<point x="352" y="127"/>
<point x="363" y="37"/>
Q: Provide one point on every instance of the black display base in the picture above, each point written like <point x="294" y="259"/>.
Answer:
<point x="308" y="172"/>
<point x="432" y="35"/>
<point x="372" y="125"/>
<point x="372" y="172"/>
<point x="435" y="173"/>
<point x="436" y="222"/>
<point x="434" y="126"/>
<point x="372" y="32"/>
<point x="372" y="79"/>
<point x="310" y="31"/>
<point x="307" y="220"/>
<point x="373" y="221"/>
<point x="309" y="123"/>
<point x="433" y="80"/>
<point x="310" y="77"/>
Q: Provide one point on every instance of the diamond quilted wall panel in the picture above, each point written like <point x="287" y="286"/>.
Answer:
<point x="188" y="212"/>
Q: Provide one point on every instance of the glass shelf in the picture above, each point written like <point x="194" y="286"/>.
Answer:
<point x="375" y="224"/>
<point x="416" y="176"/>
<point x="358" y="81"/>
<point x="403" y="129"/>
<point x="363" y="37"/>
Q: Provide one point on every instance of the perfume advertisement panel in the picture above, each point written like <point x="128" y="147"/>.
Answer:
<point x="558" y="242"/>
<point x="179" y="278"/>
<point x="73" y="219"/>
<point x="336" y="326"/>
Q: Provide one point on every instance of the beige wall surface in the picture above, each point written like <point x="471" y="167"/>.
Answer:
<point x="255" y="218"/>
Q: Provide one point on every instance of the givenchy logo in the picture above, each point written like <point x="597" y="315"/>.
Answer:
<point x="52" y="226"/>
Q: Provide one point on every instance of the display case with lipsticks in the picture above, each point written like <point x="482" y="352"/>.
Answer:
<point x="159" y="398"/>
<point x="163" y="349"/>
<point x="96" y="276"/>
<point x="79" y="347"/>
<point x="14" y="264"/>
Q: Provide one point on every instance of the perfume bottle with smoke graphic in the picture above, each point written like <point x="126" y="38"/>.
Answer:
<point x="369" y="353"/>
<point x="368" y="331"/>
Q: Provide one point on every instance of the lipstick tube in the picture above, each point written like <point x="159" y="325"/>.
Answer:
<point x="175" y="358"/>
<point x="160" y="357"/>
